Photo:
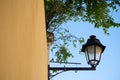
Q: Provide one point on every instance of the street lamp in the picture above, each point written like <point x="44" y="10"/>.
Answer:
<point x="93" y="49"/>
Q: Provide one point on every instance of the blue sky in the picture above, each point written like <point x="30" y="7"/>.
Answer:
<point x="109" y="67"/>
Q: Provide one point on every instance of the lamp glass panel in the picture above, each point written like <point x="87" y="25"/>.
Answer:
<point x="91" y="52"/>
<point x="98" y="52"/>
<point x="86" y="55"/>
<point x="92" y="56"/>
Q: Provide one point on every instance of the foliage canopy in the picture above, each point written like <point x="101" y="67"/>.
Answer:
<point x="96" y="12"/>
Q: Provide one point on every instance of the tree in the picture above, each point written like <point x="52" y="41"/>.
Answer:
<point x="58" y="12"/>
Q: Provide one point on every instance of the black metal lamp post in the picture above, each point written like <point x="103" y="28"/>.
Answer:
<point x="93" y="50"/>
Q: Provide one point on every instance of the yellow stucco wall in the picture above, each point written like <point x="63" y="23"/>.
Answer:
<point x="23" y="52"/>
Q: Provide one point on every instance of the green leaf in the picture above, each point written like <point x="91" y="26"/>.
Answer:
<point x="81" y="40"/>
